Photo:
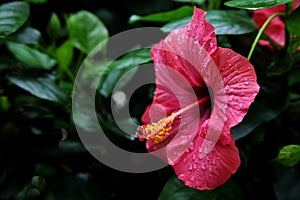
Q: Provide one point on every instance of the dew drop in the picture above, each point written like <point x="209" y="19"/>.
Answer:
<point x="241" y="105"/>
<point x="200" y="150"/>
<point x="192" y="179"/>
<point x="194" y="157"/>
<point x="181" y="176"/>
<point x="247" y="83"/>
<point x="191" y="147"/>
<point x="206" y="150"/>
<point x="207" y="158"/>
<point x="213" y="161"/>
<point x="190" y="167"/>
<point x="187" y="150"/>
<point x="203" y="166"/>
<point x="210" y="169"/>
<point x="240" y="119"/>
<point x="194" y="166"/>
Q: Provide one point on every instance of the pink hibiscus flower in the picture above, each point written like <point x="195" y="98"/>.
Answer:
<point x="276" y="28"/>
<point x="202" y="90"/>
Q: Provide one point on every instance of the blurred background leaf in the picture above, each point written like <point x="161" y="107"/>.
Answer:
<point x="255" y="4"/>
<point x="12" y="16"/>
<point x="86" y="31"/>
<point x="175" y="189"/>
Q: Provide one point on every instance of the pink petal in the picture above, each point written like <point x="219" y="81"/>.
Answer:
<point x="210" y="171"/>
<point x="275" y="30"/>
<point x="266" y="44"/>
<point x="202" y="31"/>
<point x="240" y="84"/>
<point x="172" y="93"/>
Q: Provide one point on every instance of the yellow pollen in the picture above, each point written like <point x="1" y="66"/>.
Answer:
<point x="156" y="131"/>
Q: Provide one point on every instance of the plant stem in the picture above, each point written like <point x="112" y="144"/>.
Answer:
<point x="260" y="32"/>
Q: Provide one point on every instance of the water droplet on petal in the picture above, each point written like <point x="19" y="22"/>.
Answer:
<point x="210" y="169"/>
<point x="181" y="176"/>
<point x="194" y="166"/>
<point x="203" y="166"/>
<point x="213" y="161"/>
<point x="194" y="157"/>
<point x="200" y="150"/>
<point x="187" y="150"/>
<point x="240" y="119"/>
<point x="241" y="105"/>
<point x="192" y="179"/>
<point x="191" y="147"/>
<point x="190" y="167"/>
<point x="206" y="150"/>
<point x="207" y="158"/>
<point x="247" y="83"/>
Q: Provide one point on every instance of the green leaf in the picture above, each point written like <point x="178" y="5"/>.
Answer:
<point x="119" y="67"/>
<point x="164" y="16"/>
<point x="255" y="4"/>
<point x="86" y="31"/>
<point x="199" y="2"/>
<point x="12" y="16"/>
<point x="36" y="1"/>
<point x="42" y="87"/>
<point x="64" y="55"/>
<point x="269" y="103"/>
<point x="294" y="77"/>
<point x="287" y="182"/>
<point x="230" y="22"/>
<point x="53" y="27"/>
<point x="27" y="35"/>
<point x="175" y="189"/>
<point x="289" y="155"/>
<point x="225" y="22"/>
<point x="67" y="147"/>
<point x="280" y="65"/>
<point x="32" y="57"/>
<point x="292" y="24"/>
<point x="181" y="23"/>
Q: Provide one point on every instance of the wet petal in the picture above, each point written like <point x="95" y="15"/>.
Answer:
<point x="240" y="84"/>
<point x="275" y="30"/>
<point x="211" y="170"/>
<point x="202" y="31"/>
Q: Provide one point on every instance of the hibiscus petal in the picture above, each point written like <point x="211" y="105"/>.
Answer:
<point x="210" y="171"/>
<point x="172" y="93"/>
<point x="275" y="29"/>
<point x="202" y="31"/>
<point x="240" y="84"/>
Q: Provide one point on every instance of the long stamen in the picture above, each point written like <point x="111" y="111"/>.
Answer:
<point x="158" y="131"/>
